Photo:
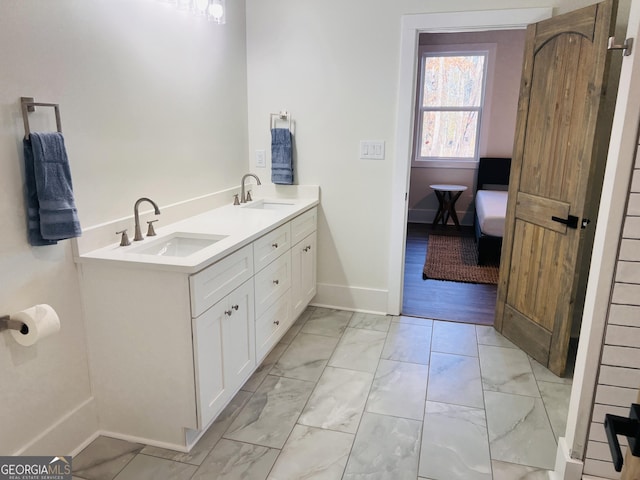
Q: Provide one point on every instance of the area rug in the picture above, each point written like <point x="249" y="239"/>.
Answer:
<point x="455" y="259"/>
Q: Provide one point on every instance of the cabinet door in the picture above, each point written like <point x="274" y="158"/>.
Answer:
<point x="238" y="336"/>
<point x="303" y="268"/>
<point x="211" y="388"/>
<point x="271" y="326"/>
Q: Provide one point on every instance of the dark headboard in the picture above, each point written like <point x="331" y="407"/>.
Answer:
<point x="493" y="171"/>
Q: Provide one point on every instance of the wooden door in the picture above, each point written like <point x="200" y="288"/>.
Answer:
<point x="552" y="173"/>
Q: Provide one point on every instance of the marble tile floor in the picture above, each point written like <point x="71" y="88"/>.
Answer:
<point x="357" y="396"/>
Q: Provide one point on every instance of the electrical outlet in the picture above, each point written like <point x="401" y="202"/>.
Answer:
<point x="261" y="158"/>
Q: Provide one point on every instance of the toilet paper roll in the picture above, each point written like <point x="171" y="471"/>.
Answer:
<point x="41" y="320"/>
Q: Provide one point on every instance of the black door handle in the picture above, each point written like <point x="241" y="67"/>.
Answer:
<point x="615" y="425"/>
<point x="571" y="221"/>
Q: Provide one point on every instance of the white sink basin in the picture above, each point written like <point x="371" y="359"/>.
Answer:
<point x="267" y="204"/>
<point x="176" y="245"/>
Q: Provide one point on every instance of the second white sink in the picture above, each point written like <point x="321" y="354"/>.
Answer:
<point x="267" y="204"/>
<point x="178" y="244"/>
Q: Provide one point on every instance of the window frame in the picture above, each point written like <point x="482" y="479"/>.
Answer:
<point x="430" y="51"/>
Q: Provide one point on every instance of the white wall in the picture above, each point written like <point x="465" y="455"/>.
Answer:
<point x="153" y="103"/>
<point x="334" y="65"/>
<point x="497" y="128"/>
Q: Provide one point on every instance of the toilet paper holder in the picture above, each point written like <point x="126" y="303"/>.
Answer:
<point x="7" y="324"/>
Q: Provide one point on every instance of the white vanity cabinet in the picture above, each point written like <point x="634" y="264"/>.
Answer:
<point x="222" y="308"/>
<point x="169" y="348"/>
<point x="224" y="351"/>
<point x="303" y="273"/>
<point x="303" y="260"/>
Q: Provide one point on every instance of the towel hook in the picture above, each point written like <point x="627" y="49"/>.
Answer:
<point x="28" y="105"/>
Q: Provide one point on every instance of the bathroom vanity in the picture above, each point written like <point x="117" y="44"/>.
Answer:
<point x="177" y="323"/>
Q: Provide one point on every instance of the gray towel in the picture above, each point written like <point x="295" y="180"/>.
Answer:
<point x="281" y="156"/>
<point x="52" y="213"/>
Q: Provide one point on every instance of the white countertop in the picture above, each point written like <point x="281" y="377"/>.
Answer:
<point x="241" y="225"/>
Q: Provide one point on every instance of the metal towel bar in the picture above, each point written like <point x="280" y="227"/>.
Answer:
<point x="283" y="115"/>
<point x="28" y="105"/>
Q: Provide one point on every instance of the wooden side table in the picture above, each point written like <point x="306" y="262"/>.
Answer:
<point x="447" y="197"/>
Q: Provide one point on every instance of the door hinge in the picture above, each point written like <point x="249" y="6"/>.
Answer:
<point x="626" y="47"/>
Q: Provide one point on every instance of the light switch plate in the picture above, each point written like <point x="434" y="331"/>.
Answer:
<point x="372" y="150"/>
<point x="261" y="158"/>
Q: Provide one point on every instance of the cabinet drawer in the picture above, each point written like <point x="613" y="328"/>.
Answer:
<point x="212" y="284"/>
<point x="271" y="246"/>
<point x="304" y="224"/>
<point x="271" y="326"/>
<point x="272" y="282"/>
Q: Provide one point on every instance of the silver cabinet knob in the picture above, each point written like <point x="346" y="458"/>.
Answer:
<point x="274" y="245"/>
<point x="228" y="313"/>
<point x="277" y="322"/>
<point x="276" y="282"/>
<point x="235" y="307"/>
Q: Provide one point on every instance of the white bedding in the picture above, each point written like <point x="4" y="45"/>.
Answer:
<point x="491" y="208"/>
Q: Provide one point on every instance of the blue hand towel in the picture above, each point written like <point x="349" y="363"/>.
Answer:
<point x="281" y="156"/>
<point x="47" y="168"/>
<point x="33" y="206"/>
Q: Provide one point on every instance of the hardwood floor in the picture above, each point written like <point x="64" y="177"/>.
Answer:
<point x="437" y="299"/>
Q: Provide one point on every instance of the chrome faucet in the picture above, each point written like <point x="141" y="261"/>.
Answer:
<point x="138" y="236"/>
<point x="243" y="197"/>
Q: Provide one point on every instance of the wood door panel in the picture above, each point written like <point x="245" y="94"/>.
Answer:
<point x="553" y="139"/>
<point x="536" y="281"/>
<point x="554" y="160"/>
<point x="581" y="22"/>
<point x="539" y="210"/>
<point x="537" y="340"/>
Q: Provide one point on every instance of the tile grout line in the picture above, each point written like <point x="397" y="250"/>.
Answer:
<point x="484" y="402"/>
<point x="313" y="390"/>
<point x="251" y="394"/>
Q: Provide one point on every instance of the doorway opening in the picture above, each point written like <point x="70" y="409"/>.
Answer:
<point x="465" y="108"/>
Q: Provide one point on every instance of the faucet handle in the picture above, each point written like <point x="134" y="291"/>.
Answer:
<point x="124" y="241"/>
<point x="235" y="199"/>
<point x="248" y="199"/>
<point x="151" y="231"/>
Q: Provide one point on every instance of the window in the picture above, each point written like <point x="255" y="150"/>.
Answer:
<point x="450" y="105"/>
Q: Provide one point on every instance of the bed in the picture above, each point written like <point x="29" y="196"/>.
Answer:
<point x="491" y="207"/>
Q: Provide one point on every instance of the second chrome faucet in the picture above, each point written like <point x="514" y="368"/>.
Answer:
<point x="243" y="197"/>
<point x="138" y="236"/>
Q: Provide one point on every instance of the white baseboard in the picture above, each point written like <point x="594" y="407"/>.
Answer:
<point x="367" y="300"/>
<point x="566" y="468"/>
<point x="147" y="441"/>
<point x="68" y="435"/>
<point x="417" y="215"/>
<point x="421" y="215"/>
